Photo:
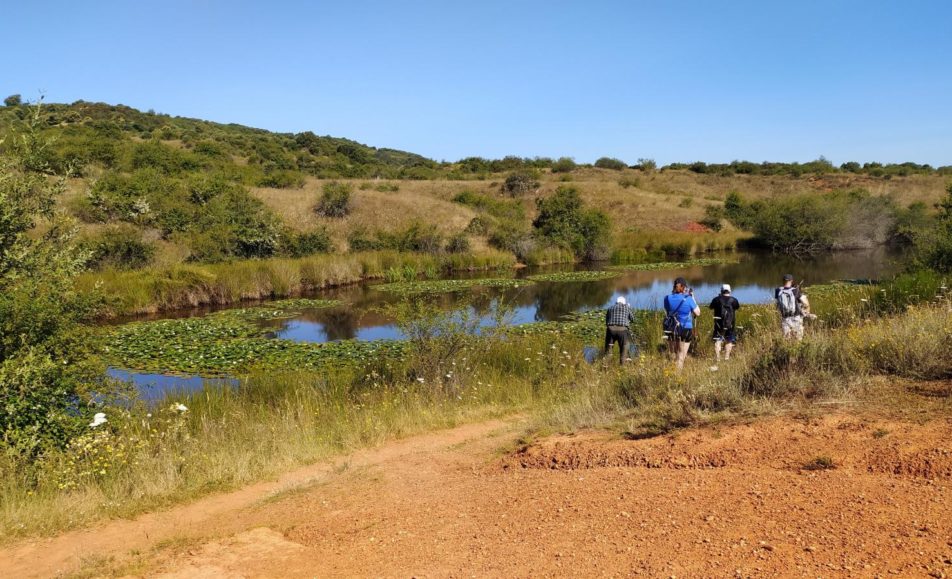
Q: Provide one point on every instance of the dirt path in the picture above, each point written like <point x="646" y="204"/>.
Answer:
<point x="729" y="501"/>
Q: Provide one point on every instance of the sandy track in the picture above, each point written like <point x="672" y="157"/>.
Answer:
<point x="724" y="501"/>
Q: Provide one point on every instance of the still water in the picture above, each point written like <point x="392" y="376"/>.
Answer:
<point x="752" y="279"/>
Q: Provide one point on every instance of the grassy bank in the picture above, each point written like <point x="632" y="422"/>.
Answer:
<point x="146" y="458"/>
<point x="183" y="286"/>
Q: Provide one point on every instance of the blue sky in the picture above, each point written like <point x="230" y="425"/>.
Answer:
<point x="668" y="80"/>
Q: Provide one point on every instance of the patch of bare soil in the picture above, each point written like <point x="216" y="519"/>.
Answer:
<point x="839" y="495"/>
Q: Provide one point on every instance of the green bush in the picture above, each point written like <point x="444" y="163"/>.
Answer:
<point x="281" y="179"/>
<point x="119" y="247"/>
<point x="47" y="364"/>
<point x="713" y="217"/>
<point x="563" y="221"/>
<point x="564" y="165"/>
<point x="458" y="243"/>
<point x="309" y="243"/>
<point x="611" y="163"/>
<point x="520" y="183"/>
<point x="13" y="100"/>
<point x="335" y="199"/>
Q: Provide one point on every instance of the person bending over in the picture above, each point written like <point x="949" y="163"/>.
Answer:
<point x="618" y="319"/>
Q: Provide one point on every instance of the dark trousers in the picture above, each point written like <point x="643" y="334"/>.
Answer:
<point x="617" y="334"/>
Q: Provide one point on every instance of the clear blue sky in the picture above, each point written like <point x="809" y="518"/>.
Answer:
<point x="671" y="80"/>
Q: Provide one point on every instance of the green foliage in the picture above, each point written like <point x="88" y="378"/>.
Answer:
<point x="13" y="100"/>
<point x="335" y="199"/>
<point x="611" y="163"/>
<point x="458" y="243"/>
<point x="119" y="247"/>
<point x="449" y="285"/>
<point x="646" y="165"/>
<point x="521" y="182"/>
<point x="309" y="243"/>
<point x="713" y="217"/>
<point x="562" y="220"/>
<point x="574" y="276"/>
<point x="47" y="370"/>
<point x="511" y="210"/>
<point x="564" y="165"/>
<point x="808" y="223"/>
<point x="281" y="179"/>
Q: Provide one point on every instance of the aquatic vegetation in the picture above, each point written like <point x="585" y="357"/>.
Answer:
<point x="449" y="285"/>
<point x="570" y="276"/>
<point x="277" y="310"/>
<point x="704" y="261"/>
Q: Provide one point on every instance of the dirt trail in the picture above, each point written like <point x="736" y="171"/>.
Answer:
<point x="728" y="501"/>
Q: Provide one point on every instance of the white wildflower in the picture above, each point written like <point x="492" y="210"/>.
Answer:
<point x="178" y="407"/>
<point x="98" y="418"/>
<point x="420" y="380"/>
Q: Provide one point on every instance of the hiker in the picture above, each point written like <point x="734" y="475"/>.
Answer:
<point x="724" y="306"/>
<point x="680" y="311"/>
<point x="618" y="318"/>
<point x="792" y="304"/>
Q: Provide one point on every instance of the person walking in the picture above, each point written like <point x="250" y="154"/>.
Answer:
<point x="618" y="319"/>
<point x="680" y="310"/>
<point x="791" y="303"/>
<point x="725" y="307"/>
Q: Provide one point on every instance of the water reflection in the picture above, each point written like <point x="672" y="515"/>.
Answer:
<point x="154" y="387"/>
<point x="753" y="280"/>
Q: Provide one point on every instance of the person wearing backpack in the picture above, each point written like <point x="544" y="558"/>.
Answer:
<point x="725" y="306"/>
<point x="791" y="303"/>
<point x="618" y="318"/>
<point x="680" y="310"/>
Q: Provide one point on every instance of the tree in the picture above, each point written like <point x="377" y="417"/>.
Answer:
<point x="521" y="182"/>
<point x="646" y="165"/>
<point x="335" y="199"/>
<point x="611" y="163"/>
<point x="564" y="221"/>
<point x="46" y="368"/>
<point x="13" y="100"/>
<point x="564" y="165"/>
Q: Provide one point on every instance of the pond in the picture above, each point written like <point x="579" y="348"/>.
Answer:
<point x="753" y="278"/>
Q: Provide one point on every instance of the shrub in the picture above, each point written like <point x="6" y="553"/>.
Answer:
<point x="564" y="221"/>
<point x="13" y="100"/>
<point x="686" y="202"/>
<point x="520" y="183"/>
<point x="610" y="163"/>
<point x="564" y="165"/>
<point x="335" y="200"/>
<point x="458" y="243"/>
<point x="646" y="165"/>
<point x="626" y="182"/>
<point x="48" y="368"/>
<point x="282" y="179"/>
<point x="713" y="216"/>
<point x="309" y="243"/>
<point x="120" y="247"/>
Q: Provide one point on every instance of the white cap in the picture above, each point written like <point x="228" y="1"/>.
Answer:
<point x="726" y="288"/>
<point x="620" y="300"/>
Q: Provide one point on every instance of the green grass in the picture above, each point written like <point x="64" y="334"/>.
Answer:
<point x="184" y="286"/>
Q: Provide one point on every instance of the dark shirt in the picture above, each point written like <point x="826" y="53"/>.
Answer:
<point x="619" y="315"/>
<point x="717" y="304"/>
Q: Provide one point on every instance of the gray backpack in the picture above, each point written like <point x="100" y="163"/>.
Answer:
<point x="787" y="302"/>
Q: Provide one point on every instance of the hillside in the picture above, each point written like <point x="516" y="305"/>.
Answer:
<point x="151" y="189"/>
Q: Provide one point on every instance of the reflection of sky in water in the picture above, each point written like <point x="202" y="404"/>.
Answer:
<point x="152" y="387"/>
<point x="649" y="296"/>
